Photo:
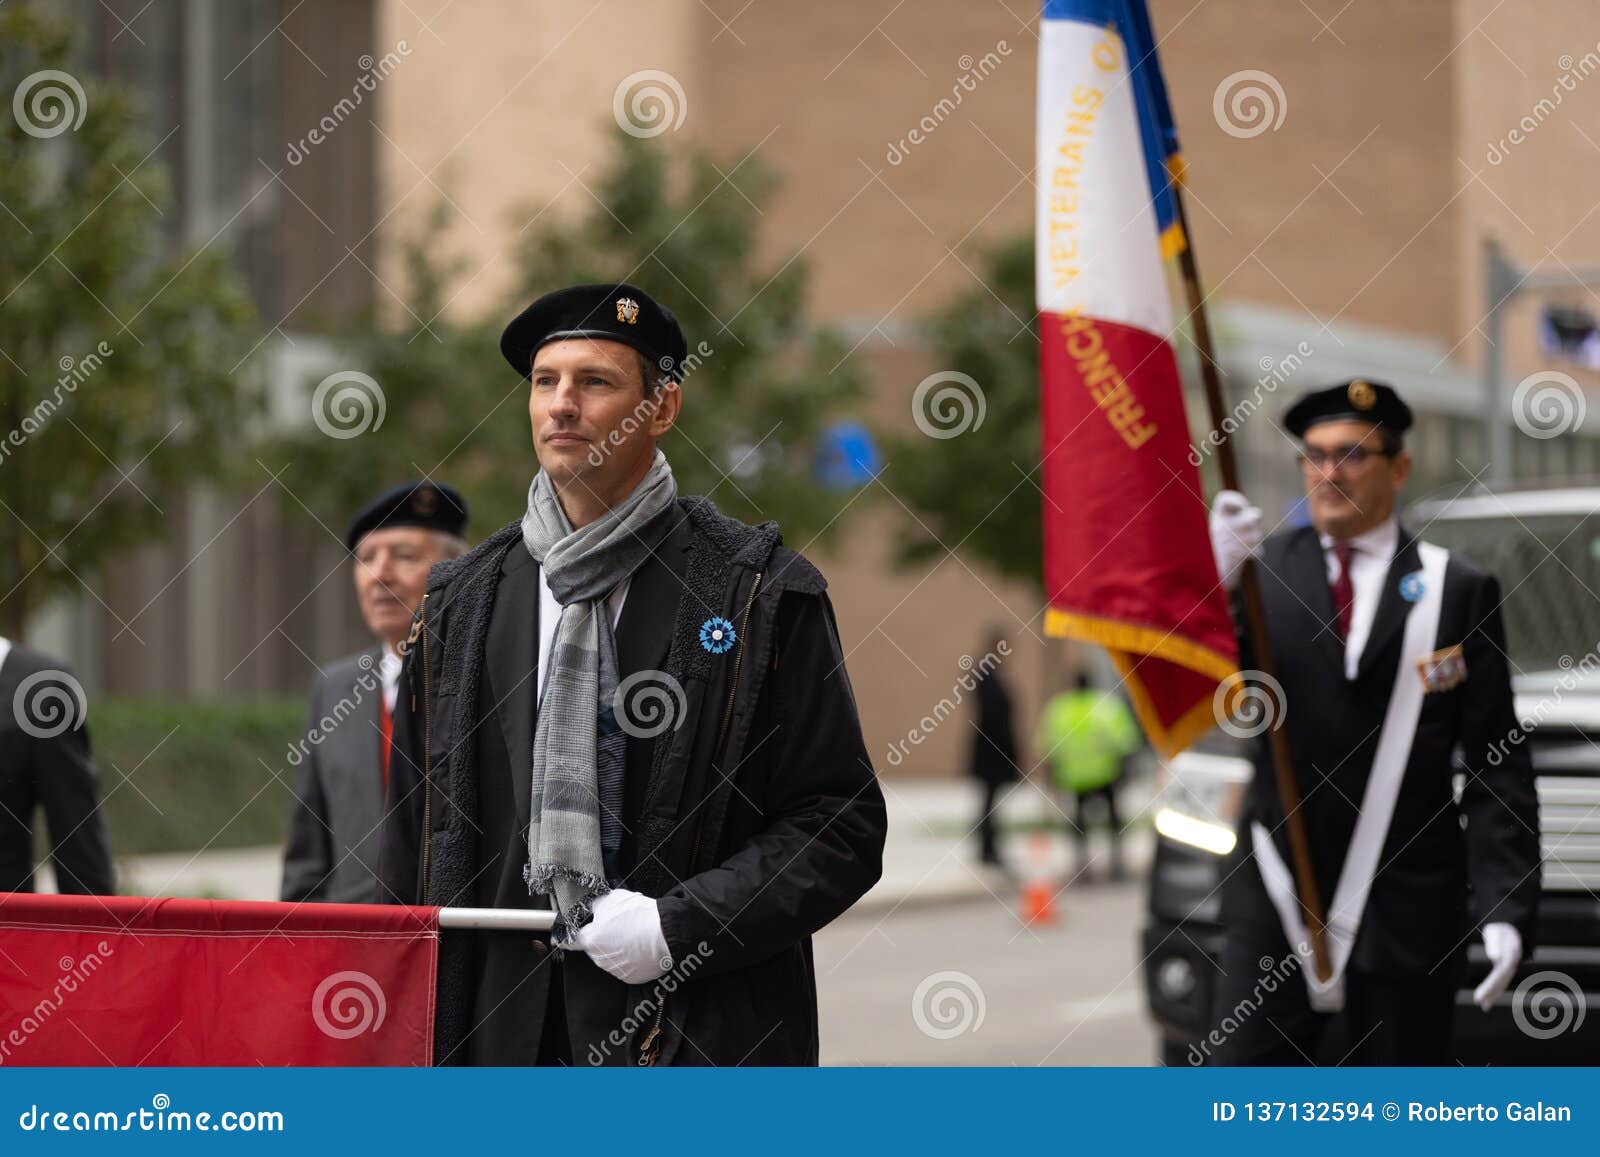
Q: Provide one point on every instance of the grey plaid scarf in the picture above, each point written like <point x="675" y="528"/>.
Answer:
<point x="575" y="812"/>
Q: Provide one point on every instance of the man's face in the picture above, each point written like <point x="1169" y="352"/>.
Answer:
<point x="595" y="424"/>
<point x="391" y="576"/>
<point x="1351" y="484"/>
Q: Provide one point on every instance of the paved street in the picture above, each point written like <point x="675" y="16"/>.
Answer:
<point x="968" y="984"/>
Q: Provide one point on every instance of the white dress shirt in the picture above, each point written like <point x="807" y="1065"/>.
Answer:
<point x="389" y="665"/>
<point x="550" y="611"/>
<point x="1370" y="556"/>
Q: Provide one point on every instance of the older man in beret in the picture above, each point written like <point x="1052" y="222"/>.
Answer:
<point x="633" y="710"/>
<point x="1392" y="656"/>
<point x="342" y="763"/>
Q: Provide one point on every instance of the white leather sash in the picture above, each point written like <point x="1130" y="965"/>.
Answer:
<point x="1377" y="802"/>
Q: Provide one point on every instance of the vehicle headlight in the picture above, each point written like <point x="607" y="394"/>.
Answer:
<point x="1200" y="797"/>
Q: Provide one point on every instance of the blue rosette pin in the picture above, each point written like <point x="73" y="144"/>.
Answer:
<point x="717" y="635"/>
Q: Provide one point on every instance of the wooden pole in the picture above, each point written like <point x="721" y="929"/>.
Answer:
<point x="1254" y="612"/>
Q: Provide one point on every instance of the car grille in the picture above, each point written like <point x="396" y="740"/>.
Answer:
<point x="1569" y="831"/>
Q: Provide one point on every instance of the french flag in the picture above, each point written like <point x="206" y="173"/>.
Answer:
<point x="1127" y="556"/>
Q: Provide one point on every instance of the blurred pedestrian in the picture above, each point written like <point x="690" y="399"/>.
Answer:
<point x="1087" y="736"/>
<point x="994" y="750"/>
<point x="45" y="763"/>
<point x="335" y="825"/>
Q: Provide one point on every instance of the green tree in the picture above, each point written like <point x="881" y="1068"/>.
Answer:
<point x="762" y="378"/>
<point x="979" y="488"/>
<point x="427" y="395"/>
<point x="115" y="394"/>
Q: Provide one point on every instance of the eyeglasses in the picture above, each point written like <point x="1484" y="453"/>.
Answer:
<point x="1354" y="457"/>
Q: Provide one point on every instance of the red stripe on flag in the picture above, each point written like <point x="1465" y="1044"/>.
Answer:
<point x="125" y="980"/>
<point x="1127" y="557"/>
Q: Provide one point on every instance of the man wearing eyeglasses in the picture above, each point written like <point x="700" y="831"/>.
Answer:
<point x="1391" y="655"/>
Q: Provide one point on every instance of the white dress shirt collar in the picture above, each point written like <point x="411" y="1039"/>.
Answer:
<point x="1373" y="552"/>
<point x="1379" y="542"/>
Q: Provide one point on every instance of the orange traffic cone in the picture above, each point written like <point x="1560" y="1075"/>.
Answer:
<point x="1038" y="883"/>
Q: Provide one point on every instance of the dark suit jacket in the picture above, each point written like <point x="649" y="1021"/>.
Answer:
<point x="52" y="771"/>
<point x="336" y="824"/>
<point x="1445" y="868"/>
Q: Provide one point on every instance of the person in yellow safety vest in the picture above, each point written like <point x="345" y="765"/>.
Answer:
<point x="1086" y="736"/>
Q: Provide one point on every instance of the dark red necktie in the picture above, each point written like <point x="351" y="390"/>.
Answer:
<point x="386" y="728"/>
<point x="1344" y="593"/>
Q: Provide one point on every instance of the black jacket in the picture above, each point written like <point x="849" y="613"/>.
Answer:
<point x="755" y="821"/>
<point x="48" y="766"/>
<point x="1438" y="878"/>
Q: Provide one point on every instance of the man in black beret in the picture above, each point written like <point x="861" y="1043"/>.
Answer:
<point x="342" y="763"/>
<point x="1391" y="655"/>
<point x="632" y="710"/>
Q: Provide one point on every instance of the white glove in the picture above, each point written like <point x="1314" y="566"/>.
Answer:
<point x="625" y="937"/>
<point x="1503" y="944"/>
<point x="1235" y="534"/>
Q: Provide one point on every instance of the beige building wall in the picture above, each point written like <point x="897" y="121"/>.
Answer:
<point x="1540" y="197"/>
<point x="504" y="106"/>
<point x="1345" y="210"/>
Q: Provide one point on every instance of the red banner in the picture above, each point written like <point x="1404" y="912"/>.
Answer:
<point x="1127" y="557"/>
<point x="126" y="980"/>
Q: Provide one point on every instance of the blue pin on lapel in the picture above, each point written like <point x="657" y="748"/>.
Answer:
<point x="717" y="635"/>
<point x="1411" y="587"/>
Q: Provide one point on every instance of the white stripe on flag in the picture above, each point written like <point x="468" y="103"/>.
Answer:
<point x="1098" y="249"/>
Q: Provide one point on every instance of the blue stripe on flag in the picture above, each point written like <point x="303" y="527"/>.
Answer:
<point x="1156" y="125"/>
<point x="1087" y="11"/>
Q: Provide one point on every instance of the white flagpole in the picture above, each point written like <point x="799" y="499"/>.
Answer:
<point x="498" y="919"/>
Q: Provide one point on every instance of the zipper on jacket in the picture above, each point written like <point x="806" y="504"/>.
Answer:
<point x="650" y="1047"/>
<point x="427" y="746"/>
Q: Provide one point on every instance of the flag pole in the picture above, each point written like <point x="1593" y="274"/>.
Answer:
<point x="1254" y="611"/>
<point x="498" y="919"/>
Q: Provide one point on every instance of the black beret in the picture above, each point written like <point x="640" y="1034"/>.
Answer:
<point x="611" y="312"/>
<point x="431" y="505"/>
<point x="1358" y="399"/>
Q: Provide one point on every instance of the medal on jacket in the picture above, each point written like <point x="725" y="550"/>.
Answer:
<point x="1443" y="670"/>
